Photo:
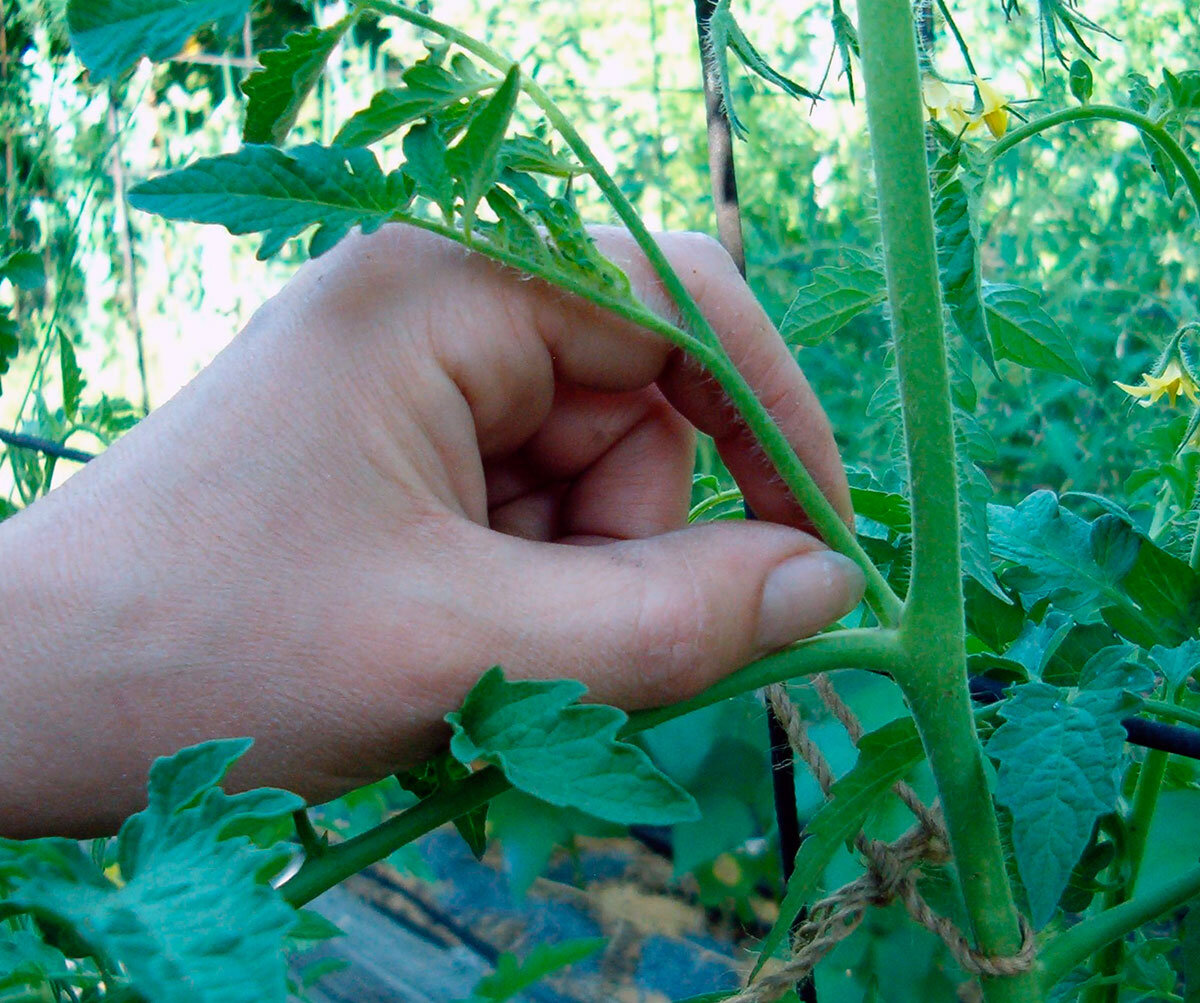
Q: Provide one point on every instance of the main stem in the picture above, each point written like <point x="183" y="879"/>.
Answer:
<point x="932" y="630"/>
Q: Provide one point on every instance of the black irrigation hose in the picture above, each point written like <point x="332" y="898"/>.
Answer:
<point x="1138" y="731"/>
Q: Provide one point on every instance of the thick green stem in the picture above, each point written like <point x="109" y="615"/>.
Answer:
<point x="1110" y="960"/>
<point x="1148" y="127"/>
<point x="932" y="629"/>
<point x="1072" y="948"/>
<point x="869" y="648"/>
<point x="704" y="344"/>
<point x="1171" y="712"/>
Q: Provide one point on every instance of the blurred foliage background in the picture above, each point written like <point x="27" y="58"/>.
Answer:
<point x="1077" y="214"/>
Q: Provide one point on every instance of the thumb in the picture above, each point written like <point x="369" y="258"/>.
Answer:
<point x="653" y="621"/>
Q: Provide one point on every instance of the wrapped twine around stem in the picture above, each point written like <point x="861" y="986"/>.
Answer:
<point x="893" y="871"/>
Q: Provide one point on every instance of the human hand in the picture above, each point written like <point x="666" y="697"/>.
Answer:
<point x="395" y="477"/>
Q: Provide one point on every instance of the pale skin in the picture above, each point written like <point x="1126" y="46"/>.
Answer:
<point x="411" y="465"/>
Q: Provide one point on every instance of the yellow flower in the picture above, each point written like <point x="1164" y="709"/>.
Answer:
<point x="1172" y="382"/>
<point x="943" y="103"/>
<point x="995" y="108"/>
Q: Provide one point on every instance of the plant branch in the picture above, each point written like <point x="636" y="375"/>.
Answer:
<point x="1113" y="113"/>
<point x="1073" y="947"/>
<point x="1172" y="712"/>
<point x="48" y="446"/>
<point x="865" y="648"/>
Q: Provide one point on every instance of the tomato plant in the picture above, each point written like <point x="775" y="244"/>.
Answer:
<point x="1033" y="645"/>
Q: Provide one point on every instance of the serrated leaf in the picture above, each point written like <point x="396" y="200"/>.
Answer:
<point x="530" y="155"/>
<point x="1054" y="545"/>
<point x="72" y="378"/>
<point x="280" y="194"/>
<point x="109" y="36"/>
<point x="885" y="507"/>
<point x="723" y="35"/>
<point x="1165" y="593"/>
<point x="752" y="60"/>
<point x="1113" y="670"/>
<point x="562" y="752"/>
<point x="185" y="800"/>
<point x="441" y="772"/>
<point x="1059" y="759"/>
<point x="884" y="756"/>
<point x="429" y="89"/>
<point x="26" y="960"/>
<point x="513" y="976"/>
<point x="1178" y="663"/>
<point x="975" y="492"/>
<point x="1183" y="88"/>
<point x="1037" y="643"/>
<point x="194" y="919"/>
<point x="475" y="159"/>
<point x="1022" y="332"/>
<point x="957" y="232"/>
<point x="425" y="162"/>
<point x="835" y="296"/>
<point x="276" y="91"/>
<point x="24" y="269"/>
<point x="569" y="244"/>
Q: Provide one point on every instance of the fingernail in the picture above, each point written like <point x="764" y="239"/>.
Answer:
<point x="806" y="593"/>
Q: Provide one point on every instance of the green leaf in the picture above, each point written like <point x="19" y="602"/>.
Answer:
<point x="531" y="155"/>
<point x="884" y="757"/>
<point x="562" y="752"/>
<point x="25" y="960"/>
<point x="312" y="928"/>
<point x="723" y="35"/>
<point x="957" y="228"/>
<point x="475" y="160"/>
<point x="512" y="976"/>
<point x="10" y="343"/>
<point x="24" y="270"/>
<point x="1054" y="546"/>
<point x="885" y="507"/>
<point x="835" y="296"/>
<point x="1184" y="88"/>
<point x="425" y="162"/>
<point x="260" y="189"/>
<point x="109" y="36"/>
<point x="194" y="919"/>
<point x="1080" y="76"/>
<point x="441" y="772"/>
<point x="1024" y="333"/>
<point x="1178" y="663"/>
<point x="72" y="378"/>
<point x="429" y="89"/>
<point x="1058" y="772"/>
<point x="752" y="60"/>
<point x="276" y="92"/>
<point x="975" y="491"/>
<point x="1159" y="599"/>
